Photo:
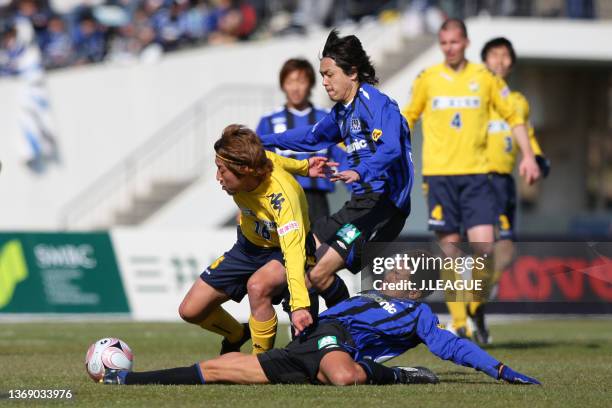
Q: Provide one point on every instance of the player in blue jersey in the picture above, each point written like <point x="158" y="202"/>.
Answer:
<point x="296" y="79"/>
<point x="379" y="163"/>
<point x="346" y="347"/>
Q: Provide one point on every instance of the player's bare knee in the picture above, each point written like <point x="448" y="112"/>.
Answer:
<point x="186" y="314"/>
<point x="343" y="377"/>
<point x="258" y="289"/>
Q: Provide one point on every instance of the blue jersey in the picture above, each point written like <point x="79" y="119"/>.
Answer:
<point x="383" y="327"/>
<point x="377" y="143"/>
<point x="286" y="118"/>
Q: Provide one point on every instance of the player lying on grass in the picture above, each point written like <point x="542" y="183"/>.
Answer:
<point x="344" y="348"/>
<point x="273" y="235"/>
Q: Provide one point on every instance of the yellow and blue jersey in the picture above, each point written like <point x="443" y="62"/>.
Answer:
<point x="377" y="141"/>
<point x="502" y="149"/>
<point x="455" y="108"/>
<point x="286" y="118"/>
<point x="275" y="215"/>
<point x="384" y="327"/>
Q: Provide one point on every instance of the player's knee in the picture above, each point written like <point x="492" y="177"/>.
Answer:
<point x="187" y="313"/>
<point x="344" y="376"/>
<point x="258" y="289"/>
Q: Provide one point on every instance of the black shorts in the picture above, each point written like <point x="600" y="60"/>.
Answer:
<point x="298" y="363"/>
<point x="231" y="271"/>
<point x="459" y="201"/>
<point x="505" y="194"/>
<point x="364" y="218"/>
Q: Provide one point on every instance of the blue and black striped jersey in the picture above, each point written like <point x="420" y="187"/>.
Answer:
<point x="383" y="327"/>
<point x="286" y="118"/>
<point x="377" y="142"/>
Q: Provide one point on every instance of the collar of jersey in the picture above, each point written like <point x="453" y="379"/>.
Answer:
<point x="300" y="112"/>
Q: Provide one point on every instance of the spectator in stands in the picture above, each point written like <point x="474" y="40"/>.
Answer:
<point x="56" y="44"/>
<point x="89" y="39"/>
<point x="235" y="20"/>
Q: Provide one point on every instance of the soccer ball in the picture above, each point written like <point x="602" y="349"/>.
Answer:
<point x="107" y="353"/>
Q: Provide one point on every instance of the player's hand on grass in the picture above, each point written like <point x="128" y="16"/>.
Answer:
<point x="348" y="176"/>
<point x="529" y="170"/>
<point x="300" y="319"/>
<point x="514" y="377"/>
<point x="320" y="167"/>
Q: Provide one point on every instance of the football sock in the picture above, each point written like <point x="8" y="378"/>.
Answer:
<point x="377" y="373"/>
<point x="221" y="322"/>
<point x="263" y="334"/>
<point x="473" y="307"/>
<point x="335" y="293"/>
<point x="458" y="313"/>
<point x="174" y="376"/>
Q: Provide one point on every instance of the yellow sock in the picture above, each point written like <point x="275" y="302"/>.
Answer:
<point x="221" y="322"/>
<point x="458" y="312"/>
<point x="473" y="306"/>
<point x="263" y="334"/>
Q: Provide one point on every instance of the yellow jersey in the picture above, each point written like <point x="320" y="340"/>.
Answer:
<point x="455" y="108"/>
<point x="275" y="215"/>
<point x="501" y="146"/>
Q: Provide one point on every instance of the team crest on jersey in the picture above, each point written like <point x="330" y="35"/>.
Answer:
<point x="473" y="85"/>
<point x="376" y="134"/>
<point x="279" y="127"/>
<point x="276" y="201"/>
<point x="355" y="125"/>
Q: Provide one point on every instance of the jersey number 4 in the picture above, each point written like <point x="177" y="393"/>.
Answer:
<point x="262" y="230"/>
<point x="456" y="121"/>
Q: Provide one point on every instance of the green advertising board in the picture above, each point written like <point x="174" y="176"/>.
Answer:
<point x="59" y="273"/>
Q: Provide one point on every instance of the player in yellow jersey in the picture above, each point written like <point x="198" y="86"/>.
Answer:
<point x="271" y="251"/>
<point x="454" y="99"/>
<point x="499" y="57"/>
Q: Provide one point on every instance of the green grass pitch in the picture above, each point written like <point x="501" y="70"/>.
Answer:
<point x="572" y="357"/>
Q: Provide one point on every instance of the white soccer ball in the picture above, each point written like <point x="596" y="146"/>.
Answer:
<point x="107" y="353"/>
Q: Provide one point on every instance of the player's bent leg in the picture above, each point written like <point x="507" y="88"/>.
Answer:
<point x="233" y="368"/>
<point x="267" y="282"/>
<point x="324" y="279"/>
<point x="200" y="301"/>
<point x="202" y="306"/>
<point x="338" y="368"/>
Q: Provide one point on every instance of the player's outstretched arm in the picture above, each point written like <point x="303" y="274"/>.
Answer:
<point x="321" y="135"/>
<point x="463" y="352"/>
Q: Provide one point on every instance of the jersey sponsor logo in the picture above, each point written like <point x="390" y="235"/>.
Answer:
<point x="376" y="134"/>
<point x="454" y="102"/>
<point x="288" y="227"/>
<point x="384" y="303"/>
<point x="348" y="233"/>
<point x="356" y="145"/>
<point x="327" y="342"/>
<point x="496" y="126"/>
<point x="355" y="125"/>
<point x="276" y="201"/>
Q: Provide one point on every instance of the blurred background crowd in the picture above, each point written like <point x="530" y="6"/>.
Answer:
<point x="73" y="32"/>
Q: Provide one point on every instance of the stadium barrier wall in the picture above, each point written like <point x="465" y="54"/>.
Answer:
<point x="144" y="275"/>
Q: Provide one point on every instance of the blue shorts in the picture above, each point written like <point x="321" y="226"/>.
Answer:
<point x="505" y="194"/>
<point x="459" y="201"/>
<point x="231" y="271"/>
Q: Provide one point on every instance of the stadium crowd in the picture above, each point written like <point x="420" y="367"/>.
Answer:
<point x="116" y="30"/>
